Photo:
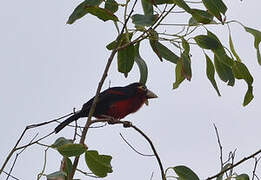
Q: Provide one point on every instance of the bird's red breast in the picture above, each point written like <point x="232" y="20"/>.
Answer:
<point x="120" y="109"/>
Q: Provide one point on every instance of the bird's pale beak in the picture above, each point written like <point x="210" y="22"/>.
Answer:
<point x="150" y="95"/>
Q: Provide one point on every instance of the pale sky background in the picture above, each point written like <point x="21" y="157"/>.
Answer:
<point x="48" y="67"/>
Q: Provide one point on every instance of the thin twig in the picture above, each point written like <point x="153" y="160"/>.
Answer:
<point x="236" y="164"/>
<point x="220" y="147"/>
<point x="103" y="125"/>
<point x="34" y="142"/>
<point x="134" y="148"/>
<point x="11" y="176"/>
<point x="9" y="173"/>
<point x="16" y="157"/>
<point x="22" y="135"/>
<point x="151" y="175"/>
<point x="153" y="149"/>
<point x="44" y="166"/>
<point x="255" y="166"/>
<point x="87" y="174"/>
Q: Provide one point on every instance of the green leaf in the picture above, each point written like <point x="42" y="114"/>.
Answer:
<point x="141" y="64"/>
<point x="211" y="5"/>
<point x="81" y="10"/>
<point x="211" y="73"/>
<point x="125" y="57"/>
<point x="143" y="20"/>
<point x="185" y="173"/>
<point x="201" y="16"/>
<point x="185" y="45"/>
<point x="100" y="165"/>
<point x="165" y="53"/>
<point x="69" y="150"/>
<point x="241" y="72"/>
<point x="248" y="96"/>
<point x="179" y="75"/>
<point x="224" y="72"/>
<point x="78" y="13"/>
<point x="160" y="50"/>
<point x="193" y="22"/>
<point x="182" y="4"/>
<point x="111" y="5"/>
<point x="55" y="175"/>
<point x="111" y="45"/>
<point x="257" y="36"/>
<point x="221" y="6"/>
<point x="231" y="45"/>
<point x="101" y="13"/>
<point x="206" y="42"/>
<point x="220" y="51"/>
<point x="68" y="167"/>
<point x="122" y="37"/>
<point x="186" y="66"/>
<point x="61" y="141"/>
<point x="147" y="7"/>
<point x="153" y="38"/>
<point x="242" y="177"/>
<point x="93" y="2"/>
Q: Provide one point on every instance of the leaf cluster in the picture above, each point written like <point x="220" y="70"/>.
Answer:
<point x="225" y="62"/>
<point x="99" y="165"/>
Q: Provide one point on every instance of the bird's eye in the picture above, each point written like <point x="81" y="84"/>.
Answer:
<point x="143" y="88"/>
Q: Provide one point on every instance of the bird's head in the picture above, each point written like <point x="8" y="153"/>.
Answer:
<point x="144" y="91"/>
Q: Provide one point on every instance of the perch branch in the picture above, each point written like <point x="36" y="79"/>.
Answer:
<point x="127" y="124"/>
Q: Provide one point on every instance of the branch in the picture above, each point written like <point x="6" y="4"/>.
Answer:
<point x="143" y="36"/>
<point x="127" y="124"/>
<point x="220" y="146"/>
<point x="22" y="135"/>
<point x="134" y="148"/>
<point x="11" y="176"/>
<point x="92" y="109"/>
<point x="255" y="166"/>
<point x="236" y="164"/>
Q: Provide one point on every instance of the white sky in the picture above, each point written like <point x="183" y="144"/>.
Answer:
<point x="48" y="67"/>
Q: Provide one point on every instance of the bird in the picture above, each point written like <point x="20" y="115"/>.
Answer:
<point x="114" y="102"/>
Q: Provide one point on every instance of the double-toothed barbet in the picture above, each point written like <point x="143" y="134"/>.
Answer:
<point x="115" y="102"/>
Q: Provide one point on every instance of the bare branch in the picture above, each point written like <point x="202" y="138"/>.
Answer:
<point x="255" y="166"/>
<point x="236" y="164"/>
<point x="220" y="147"/>
<point x="87" y="174"/>
<point x="44" y="166"/>
<point x="134" y="148"/>
<point x="11" y="176"/>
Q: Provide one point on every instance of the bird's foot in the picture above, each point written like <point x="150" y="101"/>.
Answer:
<point x="113" y="120"/>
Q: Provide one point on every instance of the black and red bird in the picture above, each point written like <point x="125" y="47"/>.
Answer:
<point x="116" y="102"/>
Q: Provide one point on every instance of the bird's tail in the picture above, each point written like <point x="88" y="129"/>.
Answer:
<point x="67" y="121"/>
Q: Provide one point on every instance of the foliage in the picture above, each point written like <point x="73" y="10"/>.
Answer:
<point x="175" y="48"/>
<point x="226" y="65"/>
<point x="219" y="59"/>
